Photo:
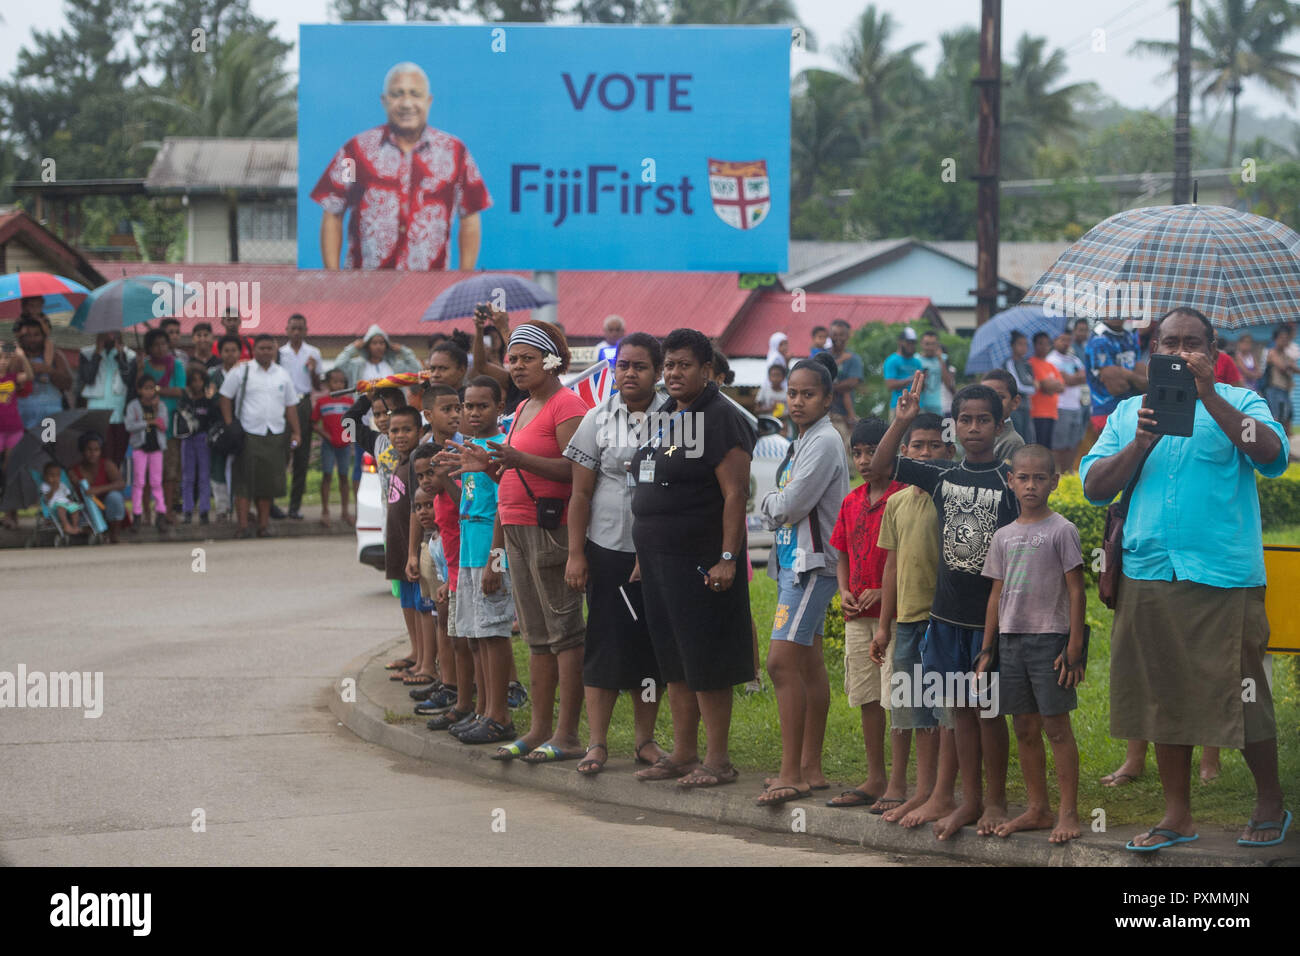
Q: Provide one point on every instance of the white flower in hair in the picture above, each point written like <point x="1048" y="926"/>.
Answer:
<point x="551" y="362"/>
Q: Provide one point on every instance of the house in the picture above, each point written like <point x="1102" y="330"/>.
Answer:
<point x="942" y="271"/>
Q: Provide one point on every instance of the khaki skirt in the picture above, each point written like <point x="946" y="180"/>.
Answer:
<point x="1187" y="665"/>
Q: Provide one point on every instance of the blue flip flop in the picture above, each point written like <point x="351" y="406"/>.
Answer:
<point x="1171" y="837"/>
<point x="1269" y="825"/>
<point x="511" y="751"/>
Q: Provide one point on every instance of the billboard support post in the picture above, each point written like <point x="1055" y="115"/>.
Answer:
<point x="545" y="279"/>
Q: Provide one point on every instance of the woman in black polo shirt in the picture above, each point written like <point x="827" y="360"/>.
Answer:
<point x="692" y="482"/>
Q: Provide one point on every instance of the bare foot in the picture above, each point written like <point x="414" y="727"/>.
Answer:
<point x="993" y="818"/>
<point x="1029" y="820"/>
<point x="349" y="520"/>
<point x="1209" y="772"/>
<point x="934" y="808"/>
<point x="896" y="814"/>
<point x="951" y="825"/>
<point x="325" y="520"/>
<point x="1066" y="829"/>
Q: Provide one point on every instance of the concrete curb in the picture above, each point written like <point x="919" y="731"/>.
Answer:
<point x="734" y="805"/>
<point x="309" y="527"/>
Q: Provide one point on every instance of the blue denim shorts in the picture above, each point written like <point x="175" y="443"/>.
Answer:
<point x="801" y="609"/>
<point x="409" y="592"/>
<point x="907" y="661"/>
<point x="334" y="460"/>
<point x="950" y="652"/>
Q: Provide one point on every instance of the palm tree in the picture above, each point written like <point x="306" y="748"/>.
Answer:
<point x="733" y="11"/>
<point x="885" y="77"/>
<point x="1239" y="40"/>
<point x="247" y="93"/>
<point x="826" y="128"/>
<point x="1034" y="109"/>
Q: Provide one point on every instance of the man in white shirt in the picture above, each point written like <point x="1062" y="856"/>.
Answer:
<point x="268" y="403"/>
<point x="615" y="329"/>
<point x="1071" y="415"/>
<point x="302" y="362"/>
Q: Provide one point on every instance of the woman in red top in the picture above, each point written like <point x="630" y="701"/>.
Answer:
<point x="103" y="478"/>
<point x="534" y="486"/>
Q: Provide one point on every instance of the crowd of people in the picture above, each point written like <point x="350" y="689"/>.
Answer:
<point x="508" y="503"/>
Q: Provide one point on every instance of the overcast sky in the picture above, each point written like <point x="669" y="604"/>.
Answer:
<point x="1134" y="81"/>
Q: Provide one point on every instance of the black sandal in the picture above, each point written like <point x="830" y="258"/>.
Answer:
<point x="642" y="746"/>
<point x="589" y="766"/>
<point x="488" y="731"/>
<point x="445" y="720"/>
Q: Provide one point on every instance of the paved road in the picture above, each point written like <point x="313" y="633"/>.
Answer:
<point x="215" y="691"/>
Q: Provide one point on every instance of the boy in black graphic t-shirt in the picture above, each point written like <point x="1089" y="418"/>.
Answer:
<point x="973" y="500"/>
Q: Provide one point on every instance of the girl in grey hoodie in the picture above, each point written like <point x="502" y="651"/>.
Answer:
<point x="811" y="484"/>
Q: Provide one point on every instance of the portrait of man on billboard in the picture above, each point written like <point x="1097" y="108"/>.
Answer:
<point x="399" y="186"/>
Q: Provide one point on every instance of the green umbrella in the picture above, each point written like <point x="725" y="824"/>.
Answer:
<point x="126" y="302"/>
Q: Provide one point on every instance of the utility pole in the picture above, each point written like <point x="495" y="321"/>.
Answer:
<point x="989" y="85"/>
<point x="1182" y="118"/>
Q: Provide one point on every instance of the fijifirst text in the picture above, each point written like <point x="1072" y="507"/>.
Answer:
<point x="586" y="192"/>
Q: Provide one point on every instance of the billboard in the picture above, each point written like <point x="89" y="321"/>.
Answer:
<point x="503" y="146"/>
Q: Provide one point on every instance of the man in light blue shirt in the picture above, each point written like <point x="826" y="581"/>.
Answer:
<point x="1190" y="631"/>
<point x="900" y="366"/>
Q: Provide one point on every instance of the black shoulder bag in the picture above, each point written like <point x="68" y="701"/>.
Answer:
<point x="549" y="510"/>
<point x="229" y="439"/>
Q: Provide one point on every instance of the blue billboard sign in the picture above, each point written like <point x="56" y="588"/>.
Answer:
<point x="504" y="146"/>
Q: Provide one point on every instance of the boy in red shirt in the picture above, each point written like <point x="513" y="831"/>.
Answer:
<point x="861" y="575"/>
<point x="1048" y="386"/>
<point x="335" y="446"/>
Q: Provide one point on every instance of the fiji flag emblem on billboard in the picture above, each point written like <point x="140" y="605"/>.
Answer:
<point x="742" y="195"/>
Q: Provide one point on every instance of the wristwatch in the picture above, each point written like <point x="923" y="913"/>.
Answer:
<point x="728" y="556"/>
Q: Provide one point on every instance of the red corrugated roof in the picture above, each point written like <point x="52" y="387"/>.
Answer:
<point x="345" y="303"/>
<point x="773" y="312"/>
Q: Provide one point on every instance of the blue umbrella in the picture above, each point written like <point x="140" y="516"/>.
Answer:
<point x="126" y="302"/>
<point x="990" y="347"/>
<point x="61" y="294"/>
<point x="458" y="301"/>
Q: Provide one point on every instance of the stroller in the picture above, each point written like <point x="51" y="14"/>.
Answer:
<point x="47" y="524"/>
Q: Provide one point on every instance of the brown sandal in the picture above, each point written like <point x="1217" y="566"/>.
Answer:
<point x="706" y="776"/>
<point x="642" y="746"/>
<point x="665" y="769"/>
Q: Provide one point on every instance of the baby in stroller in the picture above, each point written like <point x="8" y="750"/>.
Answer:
<point x="57" y="500"/>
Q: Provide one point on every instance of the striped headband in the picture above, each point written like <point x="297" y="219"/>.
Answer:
<point x="532" y="335"/>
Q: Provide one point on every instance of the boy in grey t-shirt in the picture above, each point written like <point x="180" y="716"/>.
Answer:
<point x="1035" y="613"/>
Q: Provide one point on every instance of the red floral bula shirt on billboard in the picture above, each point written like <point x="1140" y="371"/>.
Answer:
<point x="402" y="203"/>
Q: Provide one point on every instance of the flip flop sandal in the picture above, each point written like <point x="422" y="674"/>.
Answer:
<point x="549" y="753"/>
<point x="401" y="664"/>
<point x="1268" y="825"/>
<point x="859" y="799"/>
<point x="511" y="751"/>
<point x="892" y="805"/>
<point x="590" y="766"/>
<point x="400" y="675"/>
<point x="787" y="794"/>
<point x="418" y="680"/>
<point x="706" y="776"/>
<point x="1171" y="837"/>
<point x="1119" y="779"/>
<point x="664" y="769"/>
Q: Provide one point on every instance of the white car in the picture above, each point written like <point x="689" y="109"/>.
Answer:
<point x="370" y="516"/>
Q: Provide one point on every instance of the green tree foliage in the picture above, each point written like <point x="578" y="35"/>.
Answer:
<point x="874" y="342"/>
<point x="1235" y="41"/>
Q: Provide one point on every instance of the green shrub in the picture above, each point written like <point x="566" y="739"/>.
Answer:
<point x="833" y="632"/>
<point x="1068" y="501"/>
<point x="1279" y="498"/>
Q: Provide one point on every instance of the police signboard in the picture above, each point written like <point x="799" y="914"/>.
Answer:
<point x="429" y="146"/>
